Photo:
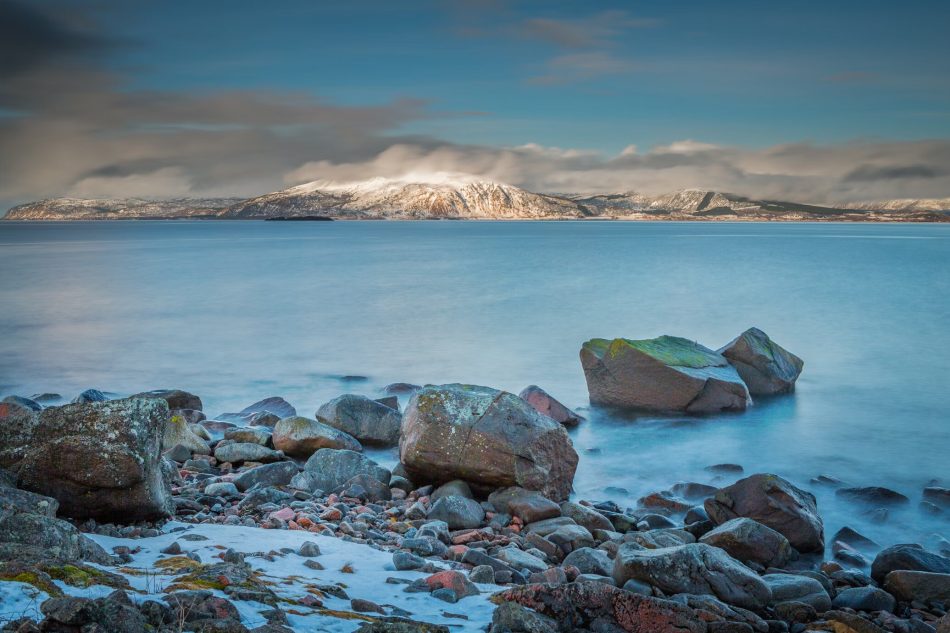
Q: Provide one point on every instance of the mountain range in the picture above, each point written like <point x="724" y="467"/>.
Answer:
<point x="444" y="196"/>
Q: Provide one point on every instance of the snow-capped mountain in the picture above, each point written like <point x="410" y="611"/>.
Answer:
<point x="118" y="209"/>
<point x="904" y="204"/>
<point x="437" y="196"/>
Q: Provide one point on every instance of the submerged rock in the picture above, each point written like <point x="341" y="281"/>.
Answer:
<point x="369" y="421"/>
<point x="301" y="437"/>
<point x="545" y="404"/>
<point x="101" y="460"/>
<point x="765" y="366"/>
<point x="662" y="374"/>
<point x="487" y="437"/>
<point x="775" y="503"/>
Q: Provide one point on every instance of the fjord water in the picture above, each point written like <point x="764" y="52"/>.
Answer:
<point x="237" y="311"/>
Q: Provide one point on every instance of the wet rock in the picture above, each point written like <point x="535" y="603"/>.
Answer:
<point x="765" y="366"/>
<point x="775" y="503"/>
<point x="458" y="512"/>
<point x="28" y="537"/>
<point x="365" y="488"/>
<point x="750" y="541"/>
<point x="175" y="398"/>
<point x="864" y="599"/>
<point x="370" y="422"/>
<point x="585" y="516"/>
<point x="101" y="460"/>
<point x="455" y="487"/>
<point x="331" y="468"/>
<point x="276" y="474"/>
<point x="545" y="404"/>
<point x="694" y="568"/>
<point x="528" y="505"/>
<point x="909" y="557"/>
<point x="400" y="388"/>
<point x="844" y="622"/>
<point x="273" y="405"/>
<point x="922" y="586"/>
<point x="792" y="587"/>
<point x="875" y="495"/>
<point x="302" y="437"/>
<point x="511" y="617"/>
<point x="489" y="438"/>
<point x="26" y="403"/>
<point x="250" y="434"/>
<point x="660" y="538"/>
<point x="238" y="452"/>
<point x="938" y="496"/>
<point x="693" y="491"/>
<point x="665" y="374"/>
<point x="590" y="561"/>
<point x="578" y="606"/>
<point x="90" y="395"/>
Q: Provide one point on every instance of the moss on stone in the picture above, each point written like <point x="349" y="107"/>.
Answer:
<point x="37" y="579"/>
<point x="178" y="564"/>
<point x="669" y="350"/>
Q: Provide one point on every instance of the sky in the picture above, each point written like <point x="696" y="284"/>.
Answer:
<point x="810" y="101"/>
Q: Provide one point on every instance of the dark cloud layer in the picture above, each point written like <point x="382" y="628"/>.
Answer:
<point x="69" y="125"/>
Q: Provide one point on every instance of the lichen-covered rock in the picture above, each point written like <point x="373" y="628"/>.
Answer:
<point x="176" y="398"/>
<point x="25" y="536"/>
<point x="237" y="452"/>
<point x="101" y="460"/>
<point x="178" y="432"/>
<point x="17" y="423"/>
<point x="662" y="374"/>
<point x="775" y="503"/>
<point x="369" y="421"/>
<point x="750" y="541"/>
<point x="545" y="404"/>
<point x="765" y="366"/>
<point x="489" y="438"/>
<point x="328" y="469"/>
<point x="577" y="605"/>
<point x="694" y="568"/>
<point x="301" y="437"/>
<point x="15" y="500"/>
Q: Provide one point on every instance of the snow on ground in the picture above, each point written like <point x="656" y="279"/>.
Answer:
<point x="19" y="600"/>
<point x="371" y="569"/>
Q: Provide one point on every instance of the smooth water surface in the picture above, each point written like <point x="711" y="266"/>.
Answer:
<point x="236" y="311"/>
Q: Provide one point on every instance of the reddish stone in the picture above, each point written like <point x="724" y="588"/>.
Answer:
<point x="284" y="514"/>
<point x="452" y="580"/>
<point x="331" y="514"/>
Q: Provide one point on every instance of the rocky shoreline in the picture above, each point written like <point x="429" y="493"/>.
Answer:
<point x="141" y="514"/>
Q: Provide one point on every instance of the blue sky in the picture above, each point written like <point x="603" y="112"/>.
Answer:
<point x="803" y="99"/>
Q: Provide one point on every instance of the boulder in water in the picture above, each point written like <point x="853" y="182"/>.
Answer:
<point x="545" y="404"/>
<point x="766" y="367"/>
<point x="176" y="398"/>
<point x="489" y="438"/>
<point x="662" y="374"/>
<point x="369" y="421"/>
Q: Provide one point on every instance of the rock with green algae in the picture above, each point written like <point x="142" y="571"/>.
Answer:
<point x="486" y="437"/>
<point x="661" y="374"/>
<point x="101" y="460"/>
<point x="766" y="367"/>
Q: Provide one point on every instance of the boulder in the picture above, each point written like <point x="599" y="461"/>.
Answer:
<point x="510" y="616"/>
<point x="910" y="557"/>
<point x="101" y="460"/>
<point x="17" y="424"/>
<point x="177" y="432"/>
<point x="23" y="402"/>
<point x="775" y="503"/>
<point x="545" y="404"/>
<point x="14" y="500"/>
<point x="329" y="468"/>
<point x="454" y="487"/>
<point x="874" y="495"/>
<point x="795" y="588"/>
<point x="28" y="537"/>
<point x="586" y="605"/>
<point x="487" y="437"/>
<point x="90" y="395"/>
<point x="864" y="599"/>
<point x="275" y="405"/>
<point x="252" y="434"/>
<point x="585" y="516"/>
<point x="301" y="437"/>
<point x="276" y="474"/>
<point x="694" y="568"/>
<point x="237" y="452"/>
<point x="662" y="374"/>
<point x="923" y="586"/>
<point x="528" y="505"/>
<point x="766" y="367"/>
<point x="750" y="541"/>
<point x="369" y="421"/>
<point x="590" y="561"/>
<point x="458" y="512"/>
<point x="176" y="398"/>
<point x="365" y="488"/>
<point x="520" y="559"/>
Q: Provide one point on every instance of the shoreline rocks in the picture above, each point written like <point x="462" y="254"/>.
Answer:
<point x="766" y="367"/>
<point x="369" y="421"/>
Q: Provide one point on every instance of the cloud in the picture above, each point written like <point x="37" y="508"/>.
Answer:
<point x="575" y="67"/>
<point x="597" y="30"/>
<point x="819" y="174"/>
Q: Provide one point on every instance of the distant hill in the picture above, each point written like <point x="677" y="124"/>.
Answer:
<point x="451" y="196"/>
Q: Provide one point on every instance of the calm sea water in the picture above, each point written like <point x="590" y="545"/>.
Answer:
<point x="237" y="311"/>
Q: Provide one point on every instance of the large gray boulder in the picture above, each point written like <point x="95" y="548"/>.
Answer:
<point x="458" y="512"/>
<point x="369" y="421"/>
<point x="911" y="557"/>
<point x="328" y="469"/>
<point x="795" y="588"/>
<point x="301" y="437"/>
<point x="489" y="438"/>
<point x="25" y="537"/>
<point x="276" y="474"/>
<point x="750" y="542"/>
<point x="775" y="503"/>
<point x="101" y="460"/>
<point x="694" y="568"/>
<point x="766" y="367"/>
<point x="17" y="424"/>
<point x="661" y="374"/>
